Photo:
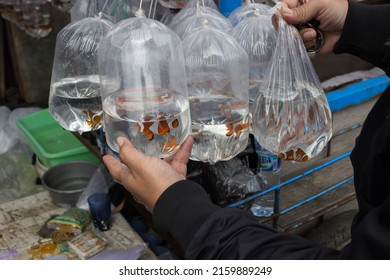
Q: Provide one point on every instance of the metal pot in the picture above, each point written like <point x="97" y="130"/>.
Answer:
<point x="65" y="182"/>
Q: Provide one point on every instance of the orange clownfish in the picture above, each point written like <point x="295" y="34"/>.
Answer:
<point x="170" y="146"/>
<point x="93" y="120"/>
<point x="236" y="127"/>
<point x="297" y="155"/>
<point x="160" y="127"/>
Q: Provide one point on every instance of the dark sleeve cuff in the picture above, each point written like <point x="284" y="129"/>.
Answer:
<point x="365" y="33"/>
<point x="182" y="209"/>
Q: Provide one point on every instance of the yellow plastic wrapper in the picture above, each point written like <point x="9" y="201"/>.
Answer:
<point x="42" y="251"/>
<point x="69" y="224"/>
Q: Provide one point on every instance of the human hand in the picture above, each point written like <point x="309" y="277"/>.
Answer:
<point x="330" y="13"/>
<point x="144" y="176"/>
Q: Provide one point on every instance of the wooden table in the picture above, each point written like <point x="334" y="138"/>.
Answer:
<point x="20" y="220"/>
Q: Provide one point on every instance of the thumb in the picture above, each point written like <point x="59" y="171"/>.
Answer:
<point x="128" y="153"/>
<point x="300" y="14"/>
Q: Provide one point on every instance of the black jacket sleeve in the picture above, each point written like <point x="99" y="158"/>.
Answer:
<point x="207" y="231"/>
<point x="182" y="209"/>
<point x="366" y="34"/>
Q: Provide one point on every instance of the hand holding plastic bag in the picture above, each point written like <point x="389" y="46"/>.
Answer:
<point x="292" y="117"/>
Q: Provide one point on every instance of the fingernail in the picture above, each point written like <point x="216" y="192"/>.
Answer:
<point x="120" y="140"/>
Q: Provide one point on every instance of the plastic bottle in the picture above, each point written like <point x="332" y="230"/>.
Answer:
<point x="270" y="166"/>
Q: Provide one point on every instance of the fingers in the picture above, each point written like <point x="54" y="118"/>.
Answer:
<point x="129" y="154"/>
<point x="301" y="14"/>
<point x="115" y="167"/>
<point x="183" y="154"/>
<point x="308" y="36"/>
<point x="291" y="3"/>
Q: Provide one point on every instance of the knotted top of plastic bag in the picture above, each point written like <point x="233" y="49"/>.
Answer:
<point x="187" y="16"/>
<point x="248" y="10"/>
<point x="292" y="117"/>
<point x="76" y="48"/>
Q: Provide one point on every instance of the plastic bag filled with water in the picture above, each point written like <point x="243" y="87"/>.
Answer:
<point x="292" y="117"/>
<point x="31" y="16"/>
<point x="144" y="90"/>
<point x="75" y="99"/>
<point x="217" y="79"/>
<point x="189" y="19"/>
<point x="257" y="36"/>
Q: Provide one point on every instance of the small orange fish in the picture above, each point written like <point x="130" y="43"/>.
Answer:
<point x="93" y="120"/>
<point x="236" y="127"/>
<point x="297" y="155"/>
<point x="163" y="127"/>
<point x="144" y="127"/>
<point x="175" y="123"/>
<point x="171" y="145"/>
<point x="160" y="127"/>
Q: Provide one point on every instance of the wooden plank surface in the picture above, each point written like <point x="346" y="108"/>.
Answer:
<point x="311" y="186"/>
<point x="20" y="220"/>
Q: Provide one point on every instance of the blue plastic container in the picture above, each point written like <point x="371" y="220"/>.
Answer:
<point x="228" y="6"/>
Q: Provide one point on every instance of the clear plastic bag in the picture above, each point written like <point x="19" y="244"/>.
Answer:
<point x="246" y="11"/>
<point x="143" y="79"/>
<point x="217" y="79"/>
<point x="36" y="18"/>
<point x="82" y="9"/>
<point x="190" y="12"/>
<point x="113" y="10"/>
<point x="75" y="99"/>
<point x="292" y="117"/>
<point x="17" y="176"/>
<point x="11" y="137"/>
<point x="101" y="181"/>
<point x="195" y="21"/>
<point x="257" y="36"/>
